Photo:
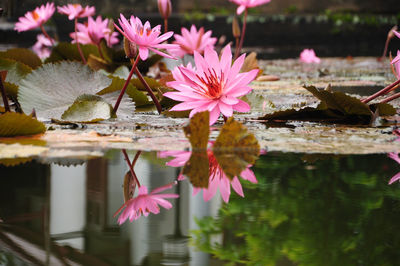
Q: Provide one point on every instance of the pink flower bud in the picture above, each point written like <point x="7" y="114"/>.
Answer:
<point x="164" y="6"/>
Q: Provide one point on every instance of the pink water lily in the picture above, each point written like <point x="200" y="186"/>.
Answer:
<point x="145" y="37"/>
<point x="217" y="179"/>
<point x="36" y="18"/>
<point x="244" y="4"/>
<point x="214" y="85"/>
<point x="308" y="56"/>
<point x="193" y="40"/>
<point x="94" y="31"/>
<point x="145" y="203"/>
<point x="43" y="46"/>
<point x="74" y="11"/>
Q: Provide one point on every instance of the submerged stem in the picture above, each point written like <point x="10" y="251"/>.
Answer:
<point x="77" y="43"/>
<point x="239" y="48"/>
<point x="149" y="91"/>
<point x="131" y="165"/>
<point x="125" y="85"/>
<point x="4" y="96"/>
<point x="385" y="90"/>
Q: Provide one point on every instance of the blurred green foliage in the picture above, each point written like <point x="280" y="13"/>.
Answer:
<point x="310" y="210"/>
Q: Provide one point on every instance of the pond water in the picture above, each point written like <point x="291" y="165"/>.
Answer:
<point x="304" y="210"/>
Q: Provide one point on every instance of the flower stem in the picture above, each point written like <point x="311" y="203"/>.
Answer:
<point x="125" y="85"/>
<point x="391" y="98"/>
<point x="77" y="43"/>
<point x="100" y="52"/>
<point x="46" y="34"/>
<point x="239" y="48"/>
<point x="149" y="91"/>
<point x="4" y="96"/>
<point x="382" y="92"/>
<point x="165" y="25"/>
<point x="132" y="165"/>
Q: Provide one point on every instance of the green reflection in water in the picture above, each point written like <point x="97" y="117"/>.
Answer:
<point x="333" y="211"/>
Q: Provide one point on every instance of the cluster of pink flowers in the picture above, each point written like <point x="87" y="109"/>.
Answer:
<point x="308" y="56"/>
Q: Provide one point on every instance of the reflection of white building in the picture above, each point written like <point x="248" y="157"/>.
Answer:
<point x="84" y="198"/>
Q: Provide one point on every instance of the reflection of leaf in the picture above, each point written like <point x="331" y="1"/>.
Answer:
<point x="14" y="162"/>
<point x="16" y="124"/>
<point x="198" y="130"/>
<point x="69" y="51"/>
<point x="334" y="107"/>
<point x="235" y="148"/>
<point x="197" y="169"/>
<point x="52" y="88"/>
<point x="22" y="55"/>
<point x="16" y="71"/>
<point x="129" y="186"/>
<point x="88" y="109"/>
<point x="177" y="114"/>
<point x="137" y="96"/>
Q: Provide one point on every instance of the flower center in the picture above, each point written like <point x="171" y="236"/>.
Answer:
<point x="35" y="15"/>
<point x="142" y="30"/>
<point x="213" y="84"/>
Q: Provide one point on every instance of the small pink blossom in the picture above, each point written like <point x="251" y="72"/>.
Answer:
<point x="215" y="85"/>
<point x="36" y="18"/>
<point x="397" y="34"/>
<point x="74" y="11"/>
<point x="308" y="56"/>
<point x="192" y="40"/>
<point x="94" y="31"/>
<point x="43" y="46"/>
<point x="244" y="4"/>
<point x="165" y="8"/>
<point x="396" y="63"/>
<point x="217" y="179"/>
<point x="145" y="203"/>
<point x="145" y="37"/>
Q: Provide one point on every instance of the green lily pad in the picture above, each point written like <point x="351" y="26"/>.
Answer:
<point x="88" y="109"/>
<point x="16" y="71"/>
<point x="22" y="55"/>
<point x="137" y="96"/>
<point x="16" y="124"/>
<point x="69" y="51"/>
<point x="235" y="148"/>
<point x="52" y="89"/>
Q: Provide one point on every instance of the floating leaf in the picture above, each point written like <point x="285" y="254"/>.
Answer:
<point x="96" y="63"/>
<point x="198" y="131"/>
<point x="235" y="148"/>
<point x="129" y="186"/>
<point x="121" y="72"/>
<point x="88" y="109"/>
<point x="16" y="71"/>
<point x="69" y="51"/>
<point x="153" y="83"/>
<point x="22" y="55"/>
<point x="16" y="124"/>
<point x="137" y="96"/>
<point x="52" y="89"/>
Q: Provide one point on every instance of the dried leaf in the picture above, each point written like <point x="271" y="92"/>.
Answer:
<point x="22" y="55"/>
<point x="235" y="148"/>
<point x="88" y="109"/>
<point x="129" y="186"/>
<point x="250" y="63"/>
<point x="198" y="130"/>
<point x="16" y="124"/>
<point x="177" y="114"/>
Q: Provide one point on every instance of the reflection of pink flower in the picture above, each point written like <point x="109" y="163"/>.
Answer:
<point x="193" y="40"/>
<point x="36" y="18"/>
<point x="215" y="85"/>
<point x="308" y="56"/>
<point x="164" y="6"/>
<point x="243" y="4"/>
<point x="74" y="11"/>
<point x="394" y="156"/>
<point x="146" y="203"/>
<point x="94" y="31"/>
<point x="43" y="46"/>
<point x="145" y="37"/>
<point x="217" y="179"/>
